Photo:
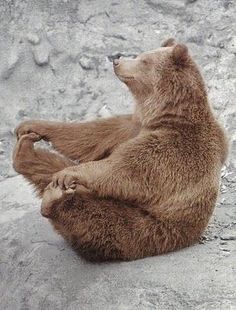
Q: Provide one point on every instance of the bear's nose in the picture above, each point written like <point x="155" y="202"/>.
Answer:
<point x="116" y="61"/>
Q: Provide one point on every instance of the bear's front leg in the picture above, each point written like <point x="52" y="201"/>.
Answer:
<point x="73" y="176"/>
<point x="104" y="178"/>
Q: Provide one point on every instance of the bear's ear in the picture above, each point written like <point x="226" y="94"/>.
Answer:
<point x="180" y="54"/>
<point x="169" y="42"/>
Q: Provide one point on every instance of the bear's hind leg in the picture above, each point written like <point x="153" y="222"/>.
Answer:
<point x="85" y="222"/>
<point x="99" y="229"/>
<point x="107" y="229"/>
<point x="37" y="165"/>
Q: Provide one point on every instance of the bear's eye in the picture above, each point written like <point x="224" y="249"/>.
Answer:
<point x="144" y="61"/>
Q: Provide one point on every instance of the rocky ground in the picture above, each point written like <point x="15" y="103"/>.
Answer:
<point x="54" y="64"/>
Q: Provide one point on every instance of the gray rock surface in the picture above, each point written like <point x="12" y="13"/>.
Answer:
<point x="54" y="64"/>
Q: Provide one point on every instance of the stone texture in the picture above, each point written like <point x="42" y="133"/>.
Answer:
<point x="54" y="64"/>
<point x="33" y="38"/>
<point x="41" y="55"/>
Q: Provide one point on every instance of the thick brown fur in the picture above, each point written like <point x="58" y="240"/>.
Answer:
<point x="147" y="183"/>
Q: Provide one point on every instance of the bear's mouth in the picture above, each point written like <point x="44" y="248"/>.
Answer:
<point x="125" y="78"/>
<point x="121" y="76"/>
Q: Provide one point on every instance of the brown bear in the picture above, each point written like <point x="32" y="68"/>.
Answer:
<point x="146" y="183"/>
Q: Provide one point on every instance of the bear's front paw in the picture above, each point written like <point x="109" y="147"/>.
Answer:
<point x="66" y="178"/>
<point x="50" y="196"/>
<point x="27" y="127"/>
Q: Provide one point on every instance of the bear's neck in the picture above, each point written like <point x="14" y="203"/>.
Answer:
<point x="153" y="109"/>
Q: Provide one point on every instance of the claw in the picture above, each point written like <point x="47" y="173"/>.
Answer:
<point x="70" y="191"/>
<point x="29" y="136"/>
<point x="32" y="136"/>
<point x="73" y="185"/>
<point x="50" y="196"/>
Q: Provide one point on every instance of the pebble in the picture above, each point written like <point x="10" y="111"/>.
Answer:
<point x="33" y="38"/>
<point x="225" y="250"/>
<point x="61" y="90"/>
<point x="41" y="56"/>
<point x="104" y="111"/>
<point x="228" y="237"/>
<point x="86" y="63"/>
<point x="223" y="242"/>
<point x="21" y="114"/>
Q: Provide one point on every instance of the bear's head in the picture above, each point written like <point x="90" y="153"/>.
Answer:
<point x="163" y="79"/>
